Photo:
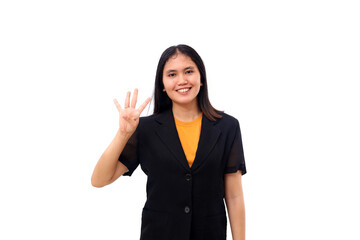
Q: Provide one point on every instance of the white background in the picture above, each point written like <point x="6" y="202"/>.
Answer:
<point x="287" y="70"/>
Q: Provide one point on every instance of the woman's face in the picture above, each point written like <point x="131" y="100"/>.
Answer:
<point x="181" y="79"/>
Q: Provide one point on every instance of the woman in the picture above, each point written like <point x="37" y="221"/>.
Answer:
<point x="191" y="153"/>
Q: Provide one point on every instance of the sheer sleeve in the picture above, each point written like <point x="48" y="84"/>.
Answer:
<point x="236" y="159"/>
<point x="129" y="156"/>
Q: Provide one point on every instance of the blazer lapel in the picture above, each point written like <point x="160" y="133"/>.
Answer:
<point x="168" y="134"/>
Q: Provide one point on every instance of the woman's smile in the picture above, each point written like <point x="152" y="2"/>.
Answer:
<point x="184" y="91"/>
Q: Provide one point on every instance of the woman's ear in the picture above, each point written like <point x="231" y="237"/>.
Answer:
<point x="164" y="90"/>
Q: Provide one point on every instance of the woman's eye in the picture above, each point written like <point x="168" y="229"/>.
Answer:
<point x="190" y="71"/>
<point x="171" y="75"/>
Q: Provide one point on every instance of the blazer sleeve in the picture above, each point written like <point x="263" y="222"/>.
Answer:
<point x="236" y="159"/>
<point x="129" y="155"/>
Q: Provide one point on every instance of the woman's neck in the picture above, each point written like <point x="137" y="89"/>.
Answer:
<point x="186" y="113"/>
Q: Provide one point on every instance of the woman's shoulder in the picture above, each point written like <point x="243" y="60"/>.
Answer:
<point x="147" y="119"/>
<point x="227" y="119"/>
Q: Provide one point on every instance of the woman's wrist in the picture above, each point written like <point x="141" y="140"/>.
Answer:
<point x="123" y="135"/>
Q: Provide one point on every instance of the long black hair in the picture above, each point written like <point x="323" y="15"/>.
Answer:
<point x="163" y="102"/>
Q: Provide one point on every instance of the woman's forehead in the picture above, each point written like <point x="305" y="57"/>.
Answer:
<point x="179" y="60"/>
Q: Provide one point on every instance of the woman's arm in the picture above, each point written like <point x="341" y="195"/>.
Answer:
<point x="235" y="204"/>
<point x="108" y="168"/>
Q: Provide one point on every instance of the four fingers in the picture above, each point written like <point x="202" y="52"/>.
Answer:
<point x="133" y="101"/>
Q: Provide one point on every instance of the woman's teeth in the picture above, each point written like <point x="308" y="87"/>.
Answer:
<point x="184" y="90"/>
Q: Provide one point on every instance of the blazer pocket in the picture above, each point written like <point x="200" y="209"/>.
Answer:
<point x="215" y="227"/>
<point x="154" y="225"/>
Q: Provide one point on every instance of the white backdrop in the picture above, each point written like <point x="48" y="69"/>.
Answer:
<point x="287" y="70"/>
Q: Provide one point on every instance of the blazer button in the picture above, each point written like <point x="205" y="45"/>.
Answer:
<point x="188" y="176"/>
<point x="187" y="209"/>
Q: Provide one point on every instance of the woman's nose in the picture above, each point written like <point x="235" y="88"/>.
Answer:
<point x="182" y="79"/>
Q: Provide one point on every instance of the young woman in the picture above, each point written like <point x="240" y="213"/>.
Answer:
<point x="191" y="153"/>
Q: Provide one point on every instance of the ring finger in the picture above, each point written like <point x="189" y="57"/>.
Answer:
<point x="127" y="100"/>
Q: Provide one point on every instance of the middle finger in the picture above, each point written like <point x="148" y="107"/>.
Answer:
<point x="134" y="99"/>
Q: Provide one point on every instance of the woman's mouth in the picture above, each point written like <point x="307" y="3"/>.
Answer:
<point x="183" y="91"/>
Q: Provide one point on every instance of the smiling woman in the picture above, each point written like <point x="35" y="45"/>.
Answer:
<point x="191" y="153"/>
<point x="182" y="82"/>
<point x="169" y="67"/>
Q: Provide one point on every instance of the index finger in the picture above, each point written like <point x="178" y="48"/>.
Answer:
<point x="142" y="106"/>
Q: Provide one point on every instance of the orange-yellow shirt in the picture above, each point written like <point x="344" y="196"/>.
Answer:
<point x="189" y="134"/>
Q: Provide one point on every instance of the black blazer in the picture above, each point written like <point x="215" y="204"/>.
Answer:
<point x="184" y="203"/>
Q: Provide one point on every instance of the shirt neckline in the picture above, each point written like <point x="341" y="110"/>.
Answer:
<point x="182" y="123"/>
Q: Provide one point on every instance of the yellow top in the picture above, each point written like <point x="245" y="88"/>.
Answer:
<point x="189" y="134"/>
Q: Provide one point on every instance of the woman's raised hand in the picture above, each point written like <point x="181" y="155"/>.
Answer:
<point x="129" y="116"/>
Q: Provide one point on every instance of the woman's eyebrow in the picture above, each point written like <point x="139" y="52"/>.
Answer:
<point x="173" y="70"/>
<point x="189" y="67"/>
